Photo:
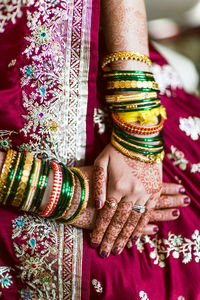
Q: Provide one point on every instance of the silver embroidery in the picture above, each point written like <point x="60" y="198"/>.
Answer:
<point x="5" y="277"/>
<point x="179" y="247"/>
<point x="97" y="286"/>
<point x="191" y="126"/>
<point x="143" y="295"/>
<point x="178" y="158"/>
<point x="99" y="119"/>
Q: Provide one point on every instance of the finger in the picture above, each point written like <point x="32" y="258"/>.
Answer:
<point x="103" y="219"/>
<point x="100" y="181"/>
<point x="164" y="215"/>
<point x="172" y="189"/>
<point x="126" y="232"/>
<point x="142" y="223"/>
<point x="119" y="219"/>
<point x="172" y="201"/>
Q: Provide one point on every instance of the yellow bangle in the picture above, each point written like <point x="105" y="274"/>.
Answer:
<point x="11" y="154"/>
<point x="130" y="97"/>
<point x="125" y="74"/>
<point x="23" y="181"/>
<point x="146" y="159"/>
<point x="132" y="84"/>
<point x="125" y="55"/>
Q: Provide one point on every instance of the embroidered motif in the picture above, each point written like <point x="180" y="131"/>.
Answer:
<point x="5" y="277"/>
<point x="143" y="295"/>
<point x="178" y="158"/>
<point x="12" y="63"/>
<point x="177" y="246"/>
<point x="181" y="298"/>
<point x="167" y="79"/>
<point x="10" y="10"/>
<point x="99" y="120"/>
<point x="45" y="251"/>
<point x="97" y="286"/>
<point x="5" y="141"/>
<point x="191" y="126"/>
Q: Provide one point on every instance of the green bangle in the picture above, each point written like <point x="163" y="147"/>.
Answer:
<point x="129" y="71"/>
<point x="10" y="177"/>
<point x="110" y="91"/>
<point x="142" y="108"/>
<point x="133" y="101"/>
<point x="127" y="78"/>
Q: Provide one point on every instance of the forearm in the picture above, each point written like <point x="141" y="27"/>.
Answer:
<point x="125" y="29"/>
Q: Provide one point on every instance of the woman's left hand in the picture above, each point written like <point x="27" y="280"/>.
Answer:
<point x="121" y="183"/>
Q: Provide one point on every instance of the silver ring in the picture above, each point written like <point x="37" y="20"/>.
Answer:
<point x="139" y="208"/>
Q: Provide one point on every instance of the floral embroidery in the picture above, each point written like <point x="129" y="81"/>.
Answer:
<point x="166" y="78"/>
<point x="10" y="10"/>
<point x="5" y="141"/>
<point x="191" y="126"/>
<point x="45" y="251"/>
<point x="97" y="286"/>
<point x="181" y="298"/>
<point x="99" y="120"/>
<point x="178" y="158"/>
<point x="5" y="277"/>
<point x="176" y="245"/>
<point x="143" y="295"/>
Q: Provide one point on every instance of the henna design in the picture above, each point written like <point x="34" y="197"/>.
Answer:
<point x="103" y="219"/>
<point x="119" y="219"/>
<point x="99" y="179"/>
<point x="165" y="202"/>
<point x="127" y="230"/>
<point x="142" y="223"/>
<point x="148" y="174"/>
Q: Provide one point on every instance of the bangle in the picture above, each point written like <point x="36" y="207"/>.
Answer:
<point x="114" y="73"/>
<point x="56" y="190"/>
<point x="146" y="159"/>
<point x="84" y="197"/>
<point x="135" y="107"/>
<point x="6" y="169"/>
<point x="33" y="185"/>
<point x="38" y="185"/>
<point x="130" y="97"/>
<point x="125" y="55"/>
<point x="132" y="85"/>
<point x="24" y="176"/>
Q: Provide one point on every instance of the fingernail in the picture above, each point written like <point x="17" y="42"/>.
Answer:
<point x="94" y="245"/>
<point x="155" y="229"/>
<point x="187" y="200"/>
<point x="98" y="204"/>
<point x="182" y="190"/>
<point x="136" y="237"/>
<point x="175" y="213"/>
<point x="117" y="250"/>
<point x="104" y="254"/>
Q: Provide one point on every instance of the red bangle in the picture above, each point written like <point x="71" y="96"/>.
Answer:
<point x="56" y="190"/>
<point x="135" y="128"/>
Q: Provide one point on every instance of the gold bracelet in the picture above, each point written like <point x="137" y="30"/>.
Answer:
<point x="126" y="74"/>
<point x="13" y="178"/>
<point x="130" y="97"/>
<point x="146" y="159"/>
<point x="11" y="154"/>
<point x="125" y="55"/>
<point x="135" y="106"/>
<point x="23" y="181"/>
<point x="111" y="85"/>
<point x="33" y="186"/>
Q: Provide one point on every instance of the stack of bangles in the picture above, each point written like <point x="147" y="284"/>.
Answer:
<point x="137" y="117"/>
<point x="23" y="182"/>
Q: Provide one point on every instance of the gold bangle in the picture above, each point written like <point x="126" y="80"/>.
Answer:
<point x="130" y="97"/>
<point x="135" y="146"/>
<point x="111" y="85"/>
<point x="146" y="159"/>
<point x="126" y="74"/>
<point x="135" y="106"/>
<point x="11" y="154"/>
<point x="86" y="188"/>
<point x="23" y="181"/>
<point x="125" y="55"/>
<point x="33" y="186"/>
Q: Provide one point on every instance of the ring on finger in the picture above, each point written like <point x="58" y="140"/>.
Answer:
<point x="139" y="208"/>
<point x="111" y="203"/>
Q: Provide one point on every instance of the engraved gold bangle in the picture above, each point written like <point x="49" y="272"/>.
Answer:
<point x="146" y="159"/>
<point x="110" y="74"/>
<point x="23" y="181"/>
<point x="132" y="84"/>
<point x="130" y="97"/>
<point x="10" y="156"/>
<point x="33" y="186"/>
<point x="125" y="55"/>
